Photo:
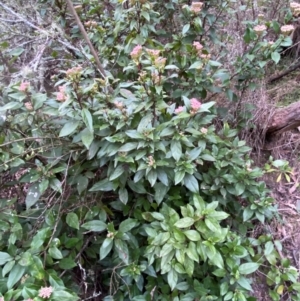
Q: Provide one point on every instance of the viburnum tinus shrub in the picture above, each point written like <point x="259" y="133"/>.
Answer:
<point x="134" y="195"/>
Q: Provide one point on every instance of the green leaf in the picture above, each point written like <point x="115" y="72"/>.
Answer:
<point x="67" y="263"/>
<point x="134" y="134"/>
<point x="275" y="57"/>
<point x="33" y="195"/>
<point x="117" y="172"/>
<point x="123" y="195"/>
<point x="87" y="138"/>
<point x="191" y="252"/>
<point x="96" y="226"/>
<point x="196" y="65"/>
<point x="191" y="183"/>
<point x="7" y="268"/>
<point x="189" y="266"/>
<point x="218" y="215"/>
<point x="239" y="188"/>
<point x="176" y="149"/>
<point x="104" y="185"/>
<point x="179" y="175"/>
<point x="146" y="15"/>
<point x="248" y="268"/>
<point x="87" y="119"/>
<point x="217" y="260"/>
<point x="15" y="275"/>
<point x="72" y="220"/>
<point x="10" y="106"/>
<point x="59" y="295"/>
<point x="106" y="247"/>
<point x="122" y="249"/>
<point x="212" y="225"/>
<point x="38" y="99"/>
<point x="4" y="257"/>
<point x="185" y="28"/>
<point x="128" y="147"/>
<point x="160" y="192"/>
<point x="172" y="278"/>
<point x="17" y="51"/>
<point x="69" y="128"/>
<point x="244" y="283"/>
<point x="184" y="222"/>
<point x="55" y="253"/>
<point x="207" y="157"/>
<point x="192" y="235"/>
<point x="247" y="214"/>
<point x="269" y="247"/>
<point x="128" y="224"/>
<point x="39" y="239"/>
<point x="145" y="123"/>
<point x="82" y="183"/>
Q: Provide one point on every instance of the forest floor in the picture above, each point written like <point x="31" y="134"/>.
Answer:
<point x="286" y="193"/>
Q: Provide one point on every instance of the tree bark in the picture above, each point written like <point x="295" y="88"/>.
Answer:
<point x="284" y="119"/>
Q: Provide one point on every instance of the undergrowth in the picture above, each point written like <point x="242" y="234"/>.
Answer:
<point x="131" y="191"/>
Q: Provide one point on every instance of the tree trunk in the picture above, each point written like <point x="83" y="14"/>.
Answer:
<point x="284" y="119"/>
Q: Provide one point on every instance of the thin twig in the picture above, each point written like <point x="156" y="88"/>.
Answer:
<point x="88" y="41"/>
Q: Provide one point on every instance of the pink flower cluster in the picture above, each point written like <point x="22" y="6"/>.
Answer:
<point x="136" y="52"/>
<point x="198" y="47"/>
<point x="179" y="110"/>
<point x="195" y="105"/>
<point x="119" y="105"/>
<point x="160" y="62"/>
<point x="74" y="71"/>
<point x="61" y="96"/>
<point x="153" y="53"/>
<point x="23" y="88"/>
<point x="45" y="292"/>
<point x="196" y="7"/>
<point x="155" y="77"/>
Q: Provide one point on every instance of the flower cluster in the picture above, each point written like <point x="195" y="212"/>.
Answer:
<point x="142" y="76"/>
<point x="136" y="52"/>
<point x="259" y="29"/>
<point x="203" y="131"/>
<point x="179" y="110"/>
<point x="198" y="47"/>
<point x="287" y="29"/>
<point x="160" y="62"/>
<point x="91" y="24"/>
<point x="196" y="7"/>
<point x="153" y="53"/>
<point x="155" y="78"/>
<point x="205" y="56"/>
<point x="28" y="106"/>
<point x="151" y="161"/>
<point x="24" y="86"/>
<point x="45" y="292"/>
<point x="261" y="16"/>
<point x="295" y="8"/>
<point x="195" y="105"/>
<point x="73" y="72"/>
<point x="78" y="8"/>
<point x="119" y="105"/>
<point x="61" y="96"/>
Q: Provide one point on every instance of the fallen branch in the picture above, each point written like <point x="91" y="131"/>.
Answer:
<point x="282" y="74"/>
<point x="284" y="119"/>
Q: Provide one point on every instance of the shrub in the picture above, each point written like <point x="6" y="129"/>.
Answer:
<point x="136" y="194"/>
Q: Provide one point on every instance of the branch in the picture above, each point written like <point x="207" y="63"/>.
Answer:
<point x="88" y="41"/>
<point x="282" y="74"/>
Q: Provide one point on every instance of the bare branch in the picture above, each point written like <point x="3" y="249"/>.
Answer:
<point x="88" y="41"/>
